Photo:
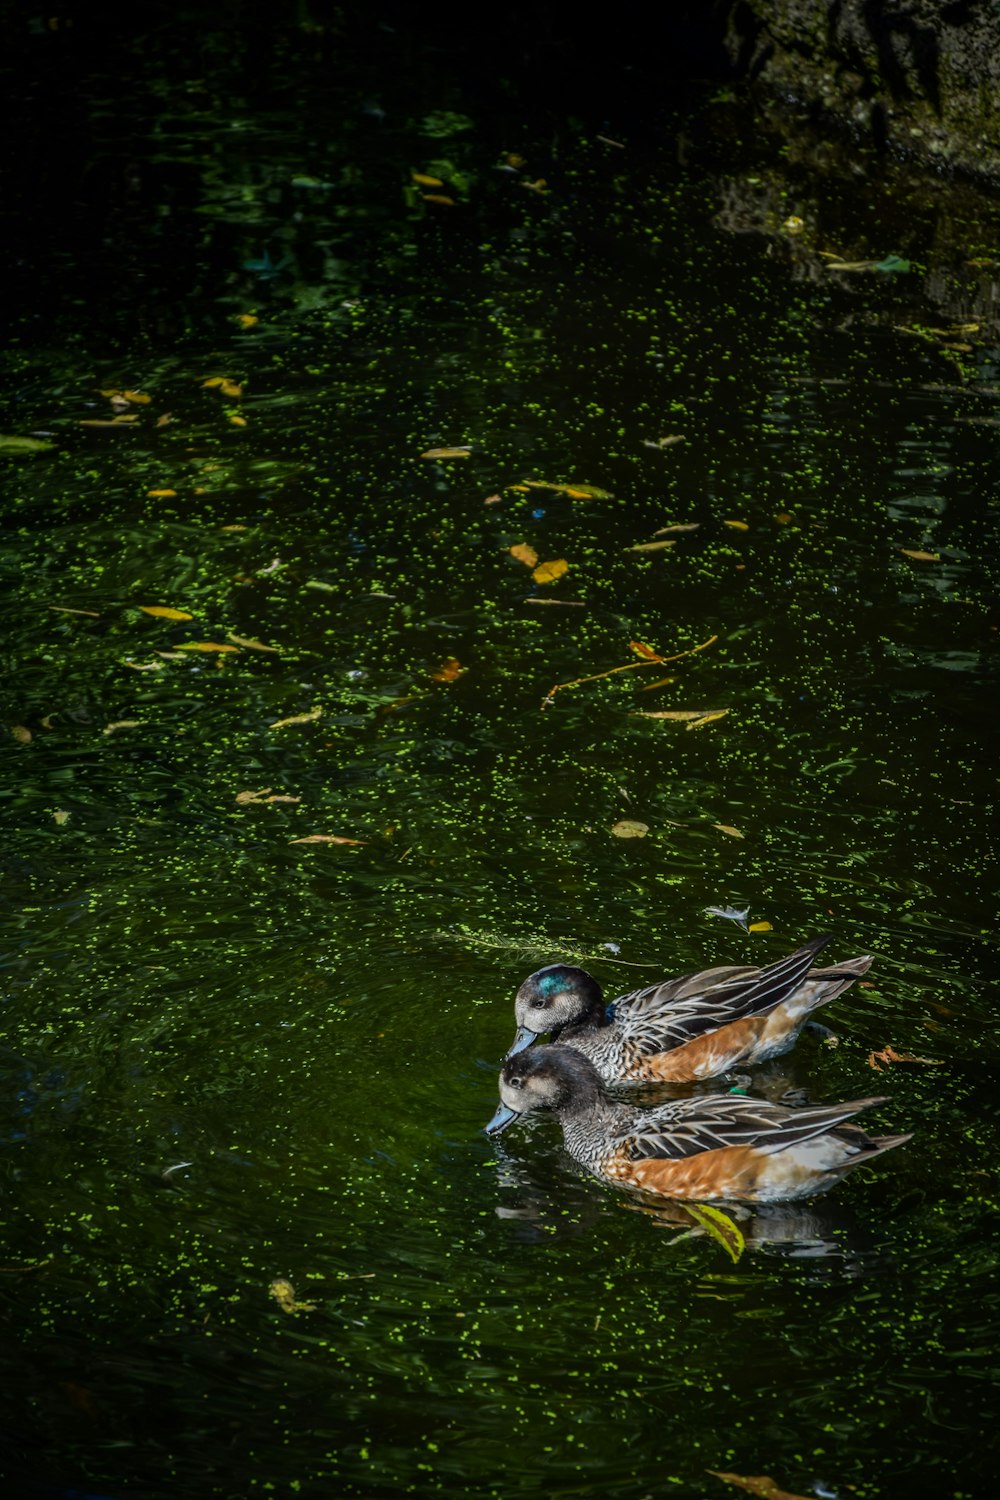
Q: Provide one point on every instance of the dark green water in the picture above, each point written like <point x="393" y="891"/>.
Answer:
<point x="229" y="1058"/>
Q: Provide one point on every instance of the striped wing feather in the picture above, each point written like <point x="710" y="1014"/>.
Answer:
<point x="690" y="1126"/>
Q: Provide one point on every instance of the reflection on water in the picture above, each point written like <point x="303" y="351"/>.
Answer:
<point x="237" y="1052"/>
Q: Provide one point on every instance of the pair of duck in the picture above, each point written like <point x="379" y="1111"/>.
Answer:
<point x="723" y="1146"/>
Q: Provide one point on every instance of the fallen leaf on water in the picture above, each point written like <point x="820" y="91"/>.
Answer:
<point x="108" y="421"/>
<point x="438" y="198"/>
<point x="160" y="494"/>
<point x="563" y="603"/>
<point x="22" y="734"/>
<point x="889" y="1055"/>
<point x="678" y="526"/>
<point x="628" y="828"/>
<point x="284" y="1294"/>
<point x="164" y="420"/>
<point x="251" y="643"/>
<point x="47" y="723"/>
<point x="737" y="525"/>
<point x="538" y="186"/>
<point x="13" y="445"/>
<point x="548" y="572"/>
<point x="450" y="669"/>
<point x="326" y="838"/>
<point x="493" y="500"/>
<point x="63" y="609"/>
<point x="234" y="527"/>
<point x="646" y="652"/>
<point x="426" y="181"/>
<point x="316" y="583"/>
<point x="206" y="646"/>
<point x="172" y="655"/>
<point x="122" y="724"/>
<point x="60" y="816"/>
<point x="719" y="713"/>
<point x="783" y="518"/>
<point x="650" y="546"/>
<point x="669" y="713"/>
<point x="921" y="556"/>
<point x="144" y="666"/>
<point x="247" y="320"/>
<point x="757" y="1484"/>
<point x="734" y="833"/>
<point x="138" y="398"/>
<point x="513" y="160"/>
<point x="236" y="420"/>
<point x="720" y="1226"/>
<point x="164" y="612"/>
<point x="664" y="442"/>
<point x="296" y="719"/>
<point x="447" y="452"/>
<point x="525" y="554"/>
<point x="264" y="795"/>
<point x="761" y="927"/>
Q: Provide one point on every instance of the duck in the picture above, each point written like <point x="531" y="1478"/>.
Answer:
<point x="684" y="1029"/>
<point x="716" y="1146"/>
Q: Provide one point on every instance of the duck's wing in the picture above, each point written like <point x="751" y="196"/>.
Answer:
<point x="669" y="1014"/>
<point x="688" y="1127"/>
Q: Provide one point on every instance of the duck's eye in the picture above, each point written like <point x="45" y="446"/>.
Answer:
<point x="517" y="1082"/>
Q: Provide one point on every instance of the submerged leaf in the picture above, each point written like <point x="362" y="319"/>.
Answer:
<point x="629" y="828"/>
<point x="720" y="1226"/>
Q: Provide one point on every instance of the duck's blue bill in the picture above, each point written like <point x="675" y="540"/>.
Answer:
<point x="500" y="1120"/>
<point x="523" y="1039"/>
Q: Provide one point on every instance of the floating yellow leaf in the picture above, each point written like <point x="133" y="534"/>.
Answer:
<point x="326" y="838"/>
<point x="216" y="646"/>
<point x="250" y="643"/>
<point x="213" y="380"/>
<point x="160" y="494"/>
<point x="678" y="526"/>
<point x="737" y="525"/>
<point x="561" y="603"/>
<point x="264" y="795"/>
<point x="164" y="612"/>
<point x="296" y="719"/>
<point x="247" y="320"/>
<point x="122" y="724"/>
<point x="650" y="546"/>
<point x="646" y="652"/>
<point x="783" y="518"/>
<point x="761" y="927"/>
<point x="548" y="572"/>
<point x="438" y="198"/>
<point x="921" y="556"/>
<point x="517" y="162"/>
<point x="447" y="452"/>
<point x="22" y="734"/>
<point x="64" y="609"/>
<point x="669" y="713"/>
<point x="109" y="421"/>
<point x="720" y="1226"/>
<point x="757" y="1484"/>
<point x="719" y="713"/>
<point x="137" y="398"/>
<point x="734" y="833"/>
<point x="60" y="816"/>
<point x="629" y="828"/>
<point x="538" y="186"/>
<point x="236" y="420"/>
<point x="426" y="181"/>
<point x="525" y="554"/>
<point x="450" y="669"/>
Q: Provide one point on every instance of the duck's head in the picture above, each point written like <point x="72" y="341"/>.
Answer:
<point x="544" y="1078"/>
<point x="553" y="999"/>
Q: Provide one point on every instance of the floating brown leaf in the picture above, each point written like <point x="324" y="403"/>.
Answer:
<point x="734" y="833"/>
<point x="737" y="525"/>
<point x="629" y="828"/>
<point x="164" y="612"/>
<point x="757" y="1484"/>
<point x="296" y="719"/>
<point x="264" y="795"/>
<point x="646" y="652"/>
<point x="450" y="669"/>
<point x="447" y="452"/>
<point x="921" y="556"/>
<point x="217" y="646"/>
<point x="160" y="494"/>
<point x="525" y="554"/>
<point x="438" y="198"/>
<point x="650" y="546"/>
<point x="326" y="838"/>
<point x="548" y="572"/>
<point x="678" y="526"/>
<point x="889" y="1055"/>
<point x="719" y="713"/>
<point x="562" y="603"/>
<point x="63" y="609"/>
<point x="122" y="724"/>
<point x="669" y="713"/>
<point x="250" y="643"/>
<point x="648" y="687"/>
<point x="22" y="734"/>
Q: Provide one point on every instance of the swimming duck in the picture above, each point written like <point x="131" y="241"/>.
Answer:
<point x="686" y="1028"/>
<point x="716" y="1146"/>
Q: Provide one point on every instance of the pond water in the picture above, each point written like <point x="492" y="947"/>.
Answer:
<point x="234" y="1055"/>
